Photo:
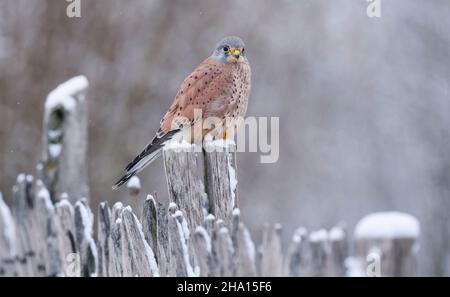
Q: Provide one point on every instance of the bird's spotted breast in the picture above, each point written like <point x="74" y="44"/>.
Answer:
<point x="218" y="89"/>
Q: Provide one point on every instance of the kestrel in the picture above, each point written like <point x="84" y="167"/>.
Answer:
<point x="219" y="87"/>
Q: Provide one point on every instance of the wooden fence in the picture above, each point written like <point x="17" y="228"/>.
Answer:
<point x="48" y="231"/>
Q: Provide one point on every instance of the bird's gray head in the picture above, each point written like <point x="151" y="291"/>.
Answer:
<point x="230" y="49"/>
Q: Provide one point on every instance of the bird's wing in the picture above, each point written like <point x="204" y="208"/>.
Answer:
<point x="203" y="89"/>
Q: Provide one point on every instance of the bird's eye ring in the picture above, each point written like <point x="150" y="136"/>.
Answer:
<point x="226" y="48"/>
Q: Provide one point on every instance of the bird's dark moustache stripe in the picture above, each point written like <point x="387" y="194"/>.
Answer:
<point x="156" y="144"/>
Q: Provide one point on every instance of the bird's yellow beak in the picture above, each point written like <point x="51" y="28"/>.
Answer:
<point x="235" y="55"/>
<point x="236" y="52"/>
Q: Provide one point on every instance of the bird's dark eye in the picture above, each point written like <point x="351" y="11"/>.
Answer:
<point x="226" y="48"/>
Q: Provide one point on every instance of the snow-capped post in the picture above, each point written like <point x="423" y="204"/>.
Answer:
<point x="84" y="222"/>
<point x="271" y="256"/>
<point x="137" y="256"/>
<point x="320" y="252"/>
<point x="180" y="260"/>
<point x="103" y="238"/>
<point x="298" y="257"/>
<point x="185" y="173"/>
<point x="386" y="244"/>
<point x="7" y="241"/>
<point x="338" y="251"/>
<point x="115" y="268"/>
<point x="63" y="166"/>
<point x="23" y="213"/>
<point x="244" y="249"/>
<point x="221" y="178"/>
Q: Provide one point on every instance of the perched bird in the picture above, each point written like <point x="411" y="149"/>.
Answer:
<point x="219" y="87"/>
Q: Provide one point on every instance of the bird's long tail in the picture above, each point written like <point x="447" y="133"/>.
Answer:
<point x="147" y="156"/>
<point x="138" y="167"/>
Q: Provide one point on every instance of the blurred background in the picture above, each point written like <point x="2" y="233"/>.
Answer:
<point x="363" y="102"/>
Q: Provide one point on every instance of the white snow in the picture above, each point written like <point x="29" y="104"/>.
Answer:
<point x="65" y="203"/>
<point x="39" y="167"/>
<point x="236" y="212"/>
<point x="223" y="230"/>
<point x="29" y="178"/>
<point x="21" y="178"/>
<point x="86" y="219"/>
<point x="64" y="196"/>
<point x="205" y="235"/>
<point x="44" y="195"/>
<point x="185" y="250"/>
<point x="63" y="94"/>
<point x="318" y="236"/>
<point x="172" y="205"/>
<point x="388" y="225"/>
<point x="336" y="234"/>
<point x="55" y="150"/>
<point x="233" y="182"/>
<point x="299" y="234"/>
<point x="178" y="146"/>
<point x="248" y="242"/>
<point x="6" y="220"/>
<point x="134" y="183"/>
<point x="296" y="238"/>
<point x="54" y="134"/>
<point x="149" y="197"/>
<point x="117" y="206"/>
<point x="354" y="267"/>
<point x="186" y="231"/>
<point x="210" y="217"/>
<point x="219" y="143"/>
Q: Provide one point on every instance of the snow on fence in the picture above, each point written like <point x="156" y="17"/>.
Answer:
<point x="49" y="230"/>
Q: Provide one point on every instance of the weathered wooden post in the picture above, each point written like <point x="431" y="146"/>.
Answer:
<point x="386" y="244"/>
<point x="115" y="268"/>
<point x="320" y="252"/>
<point x="86" y="247"/>
<point x="103" y="238"/>
<point x="221" y="178"/>
<point x="64" y="141"/>
<point x="338" y="251"/>
<point x="180" y="260"/>
<point x="202" y="181"/>
<point x="137" y="256"/>
<point x="243" y="248"/>
<point x="26" y="230"/>
<point x="271" y="256"/>
<point x="298" y="259"/>
<point x="185" y="172"/>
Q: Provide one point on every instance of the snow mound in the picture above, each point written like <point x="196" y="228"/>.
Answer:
<point x="318" y="236"/>
<point x="336" y="234"/>
<point x="134" y="183"/>
<point x="178" y="146"/>
<point x="388" y="225"/>
<point x="63" y="94"/>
